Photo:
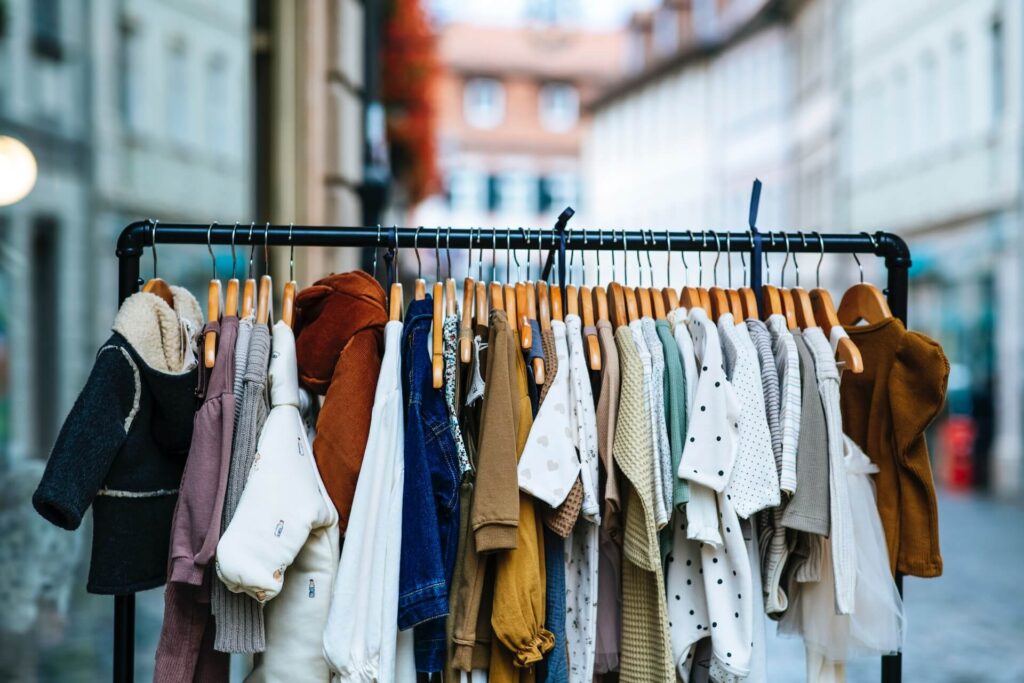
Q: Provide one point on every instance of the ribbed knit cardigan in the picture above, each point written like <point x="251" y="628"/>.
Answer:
<point x="646" y="649"/>
<point x="239" y="617"/>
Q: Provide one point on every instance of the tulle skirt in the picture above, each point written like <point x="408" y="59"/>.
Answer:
<point x="876" y="625"/>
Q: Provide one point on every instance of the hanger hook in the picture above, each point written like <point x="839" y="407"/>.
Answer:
<point x="209" y="248"/>
<point x="718" y="255"/>
<point x="572" y="253"/>
<point x="448" y="250"/>
<point x="796" y="264"/>
<point x="494" y="251"/>
<point x="625" y="259"/>
<point x="376" y="249"/>
<point x="874" y="248"/>
<point x="415" y="248"/>
<point x="817" y="271"/>
<point x="650" y="266"/>
<point x="526" y="235"/>
<point x="682" y="256"/>
<point x="252" y="249"/>
<point x="480" y="253"/>
<point x="700" y="258"/>
<point x="153" y="238"/>
<point x="291" y="253"/>
<point x="859" y="266"/>
<point x="266" y="252"/>
<point x="540" y="253"/>
<point x="728" y="257"/>
<point x="668" y="258"/>
<point x="613" y="255"/>
<point x="583" y="260"/>
<point x="597" y="255"/>
<point x="234" y="258"/>
<point x="743" y="258"/>
<point x="437" y="253"/>
<point x="767" y="261"/>
<point x="782" y="278"/>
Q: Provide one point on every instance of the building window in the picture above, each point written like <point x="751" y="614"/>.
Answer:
<point x="998" y="74"/>
<point x="129" y="102"/>
<point x="518" y="193"/>
<point x="544" y="198"/>
<point x="46" y="28"/>
<point x="958" y="89"/>
<point x="466" y="188"/>
<point x="216" y="103"/>
<point x="177" y="93"/>
<point x="563" y="190"/>
<point x="494" y="198"/>
<point x="484" y="102"/>
<point x="559" y="106"/>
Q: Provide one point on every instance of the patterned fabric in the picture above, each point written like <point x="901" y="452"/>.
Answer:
<point x="581" y="549"/>
<point x="549" y="465"/>
<point x="657" y="485"/>
<point x="755" y="482"/>
<point x="658" y="403"/>
<point x="787" y="360"/>
<point x="646" y="654"/>
<point x="707" y="580"/>
<point x="450" y="336"/>
<point x="769" y="384"/>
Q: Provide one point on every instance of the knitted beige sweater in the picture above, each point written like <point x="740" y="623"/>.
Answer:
<point x="646" y="653"/>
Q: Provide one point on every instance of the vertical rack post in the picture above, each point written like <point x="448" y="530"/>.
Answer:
<point x="563" y="220"/>
<point x="897" y="264"/>
<point x="129" y="252"/>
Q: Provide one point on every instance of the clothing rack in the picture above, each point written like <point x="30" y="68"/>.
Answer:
<point x="138" y="235"/>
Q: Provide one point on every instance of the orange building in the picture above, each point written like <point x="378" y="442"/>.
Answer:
<point x="511" y="107"/>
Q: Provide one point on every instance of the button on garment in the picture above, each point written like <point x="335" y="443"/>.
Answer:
<point x="362" y="626"/>
<point x="430" y="506"/>
<point x="281" y="547"/>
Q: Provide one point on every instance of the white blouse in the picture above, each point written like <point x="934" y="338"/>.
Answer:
<point x="362" y="625"/>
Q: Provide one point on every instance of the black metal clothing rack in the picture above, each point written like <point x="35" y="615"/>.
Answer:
<point x="139" y="235"/>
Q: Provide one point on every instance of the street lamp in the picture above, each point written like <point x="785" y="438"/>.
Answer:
<point x="17" y="170"/>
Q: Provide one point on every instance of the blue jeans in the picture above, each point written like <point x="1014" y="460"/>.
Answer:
<point x="430" y="509"/>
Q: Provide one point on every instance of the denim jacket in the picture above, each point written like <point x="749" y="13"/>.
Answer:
<point x="430" y="512"/>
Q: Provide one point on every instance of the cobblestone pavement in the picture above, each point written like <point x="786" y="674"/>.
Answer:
<point x="965" y="626"/>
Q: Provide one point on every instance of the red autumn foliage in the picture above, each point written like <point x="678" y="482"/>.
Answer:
<point x="409" y="76"/>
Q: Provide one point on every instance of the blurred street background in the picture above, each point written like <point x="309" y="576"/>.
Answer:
<point x="857" y="115"/>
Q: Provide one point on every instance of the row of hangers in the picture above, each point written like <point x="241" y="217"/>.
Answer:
<point x="233" y="304"/>
<point x="527" y="301"/>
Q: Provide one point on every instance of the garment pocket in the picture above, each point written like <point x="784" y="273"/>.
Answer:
<point x="444" y="462"/>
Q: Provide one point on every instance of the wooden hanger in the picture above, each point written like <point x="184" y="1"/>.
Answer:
<point x="437" y="337"/>
<point x="396" y="301"/>
<point x="543" y="305"/>
<point x="864" y="301"/>
<point x="825" y="316"/>
<point x="419" y="292"/>
<point x="249" y="287"/>
<point x="290" y="287"/>
<point x="589" y="328"/>
<point x="748" y="302"/>
<point x="212" y="307"/>
<point x="529" y="316"/>
<point x="632" y="311"/>
<point x="231" y="298"/>
<point x="263" y="297"/>
<point x="555" y="294"/>
<point x="157" y="285"/>
<point x="658" y="303"/>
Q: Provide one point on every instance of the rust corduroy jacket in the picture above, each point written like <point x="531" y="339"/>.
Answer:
<point x="885" y="411"/>
<point x="339" y="340"/>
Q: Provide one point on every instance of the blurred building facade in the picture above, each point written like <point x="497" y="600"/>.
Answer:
<point x="512" y="109"/>
<point x="858" y="116"/>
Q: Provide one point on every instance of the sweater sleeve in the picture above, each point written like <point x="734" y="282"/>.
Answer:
<point x="280" y="506"/>
<point x="90" y="439"/>
<point x="495" y="513"/>
<point x="917" y="388"/>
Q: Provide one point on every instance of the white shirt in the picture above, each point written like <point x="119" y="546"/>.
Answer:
<point x="754" y="484"/>
<point x="361" y="635"/>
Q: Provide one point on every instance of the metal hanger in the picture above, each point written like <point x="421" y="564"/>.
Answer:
<point x="249" y="288"/>
<point x="643" y="294"/>
<point x="587" y="316"/>
<point x="669" y="295"/>
<point x="438" y="304"/>
<point x="468" y="293"/>
<point x="497" y="298"/>
<point x="770" y="295"/>
<point x="396" y="295"/>
<point x="600" y="294"/>
<point x="420" y="286"/>
<point x="785" y="295"/>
